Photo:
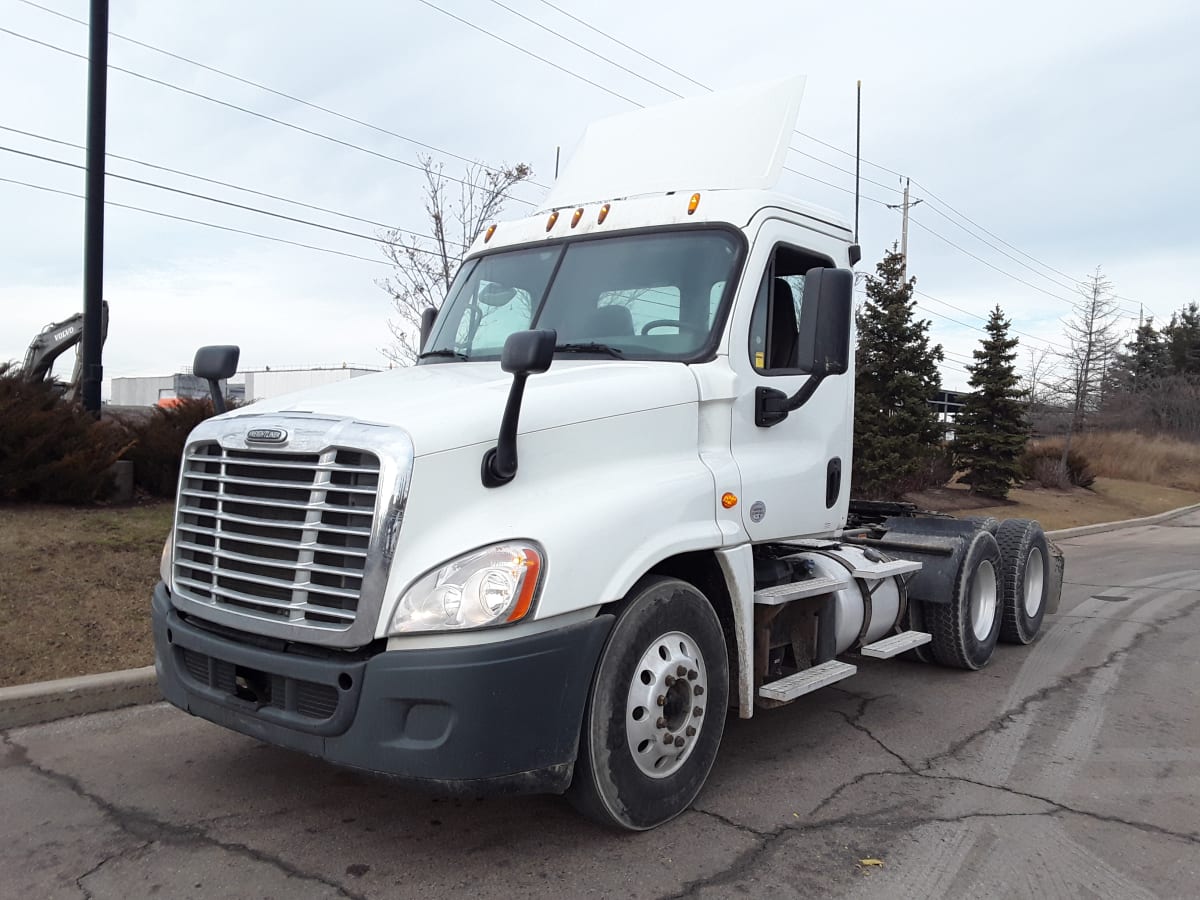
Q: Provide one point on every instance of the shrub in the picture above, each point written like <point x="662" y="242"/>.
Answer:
<point x="1042" y="463"/>
<point x="159" y="443"/>
<point x="51" y="451"/>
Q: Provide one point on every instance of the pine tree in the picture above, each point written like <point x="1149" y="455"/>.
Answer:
<point x="896" y="431"/>
<point x="990" y="433"/>
<point x="1145" y="361"/>
<point x="1182" y="337"/>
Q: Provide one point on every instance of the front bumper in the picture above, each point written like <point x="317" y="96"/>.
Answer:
<point x="503" y="716"/>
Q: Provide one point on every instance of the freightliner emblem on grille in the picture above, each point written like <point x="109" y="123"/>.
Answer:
<point x="266" y="436"/>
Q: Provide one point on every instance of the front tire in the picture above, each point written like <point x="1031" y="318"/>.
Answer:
<point x="965" y="630"/>
<point x="1025" y="583"/>
<point x="656" y="711"/>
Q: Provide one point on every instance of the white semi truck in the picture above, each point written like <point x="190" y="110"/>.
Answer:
<point x="609" y="504"/>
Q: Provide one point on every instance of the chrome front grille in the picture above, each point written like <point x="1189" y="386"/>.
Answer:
<point x="280" y="536"/>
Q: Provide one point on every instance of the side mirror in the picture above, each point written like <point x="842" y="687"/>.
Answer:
<point x="215" y="364"/>
<point x="823" y="342"/>
<point x="428" y="316"/>
<point x="824" y="339"/>
<point x="528" y="352"/>
<point x="525" y="353"/>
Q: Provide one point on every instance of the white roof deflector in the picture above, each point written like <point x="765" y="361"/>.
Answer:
<point x="730" y="139"/>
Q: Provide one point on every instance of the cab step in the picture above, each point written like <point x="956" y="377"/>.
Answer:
<point x="896" y="644"/>
<point x="873" y="571"/>
<point x="806" y="681"/>
<point x="797" y="590"/>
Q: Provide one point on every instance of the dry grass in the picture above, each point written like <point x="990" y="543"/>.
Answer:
<point x="1127" y="455"/>
<point x="75" y="588"/>
<point x="1109" y="500"/>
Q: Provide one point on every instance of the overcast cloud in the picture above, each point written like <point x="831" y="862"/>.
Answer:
<point x="1069" y="129"/>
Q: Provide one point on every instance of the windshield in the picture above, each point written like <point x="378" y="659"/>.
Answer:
<point x="649" y="296"/>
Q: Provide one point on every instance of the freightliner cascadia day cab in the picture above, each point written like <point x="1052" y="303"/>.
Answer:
<point x="608" y="506"/>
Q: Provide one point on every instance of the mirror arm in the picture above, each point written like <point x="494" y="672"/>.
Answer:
<point x="500" y="462"/>
<point x="218" y="399"/>
<point x="771" y="406"/>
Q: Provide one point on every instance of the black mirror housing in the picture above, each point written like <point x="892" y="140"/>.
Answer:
<point x="428" y="316"/>
<point x="214" y="364"/>
<point x="219" y="362"/>
<point x="825" y="321"/>
<point x="528" y="352"/>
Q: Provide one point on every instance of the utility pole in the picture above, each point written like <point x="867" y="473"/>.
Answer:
<point x="905" y="206"/>
<point x="93" y="233"/>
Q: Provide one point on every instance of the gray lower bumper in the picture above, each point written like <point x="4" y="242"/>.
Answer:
<point x="503" y="716"/>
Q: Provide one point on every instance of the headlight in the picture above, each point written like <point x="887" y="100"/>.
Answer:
<point x="486" y="587"/>
<point x="164" y="563"/>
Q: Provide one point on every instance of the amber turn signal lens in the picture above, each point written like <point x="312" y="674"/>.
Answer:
<point x="603" y="214"/>
<point x="488" y="236"/>
<point x="728" y="500"/>
<point x="575" y="218"/>
<point x="552" y="220"/>
<point x="693" y="203"/>
<point x="533" y="568"/>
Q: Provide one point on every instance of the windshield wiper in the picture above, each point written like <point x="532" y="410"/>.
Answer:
<point x="452" y="354"/>
<point x="590" y="347"/>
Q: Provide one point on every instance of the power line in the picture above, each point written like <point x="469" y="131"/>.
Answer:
<point x="215" y="181"/>
<point x="521" y="49"/>
<point x="279" y="93"/>
<point x="230" y="203"/>
<point x="154" y="212"/>
<point x="243" y="109"/>
<point x="984" y="319"/>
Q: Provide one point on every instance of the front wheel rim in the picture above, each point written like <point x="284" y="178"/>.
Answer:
<point x="1035" y="579"/>
<point x="983" y="600"/>
<point x="664" y="710"/>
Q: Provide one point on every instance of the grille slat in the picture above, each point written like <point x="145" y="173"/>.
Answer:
<point x="269" y="542"/>
<point x="277" y="535"/>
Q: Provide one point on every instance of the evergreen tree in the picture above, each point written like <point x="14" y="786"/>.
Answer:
<point x="1182" y="338"/>
<point x="1144" y="361"/>
<point x="896" y="431"/>
<point x="990" y="433"/>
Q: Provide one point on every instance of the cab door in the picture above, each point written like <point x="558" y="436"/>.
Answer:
<point x="795" y="475"/>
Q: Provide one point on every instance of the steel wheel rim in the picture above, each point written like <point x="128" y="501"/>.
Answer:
<point x="664" y="711"/>
<point x="983" y="600"/>
<point x="1035" y="579"/>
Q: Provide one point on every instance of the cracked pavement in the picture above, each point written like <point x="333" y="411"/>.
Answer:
<point x="1068" y="768"/>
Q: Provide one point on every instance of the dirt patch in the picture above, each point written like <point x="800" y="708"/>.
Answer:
<point x="75" y="588"/>
<point x="1109" y="500"/>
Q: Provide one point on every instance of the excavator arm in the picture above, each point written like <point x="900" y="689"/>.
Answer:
<point x="56" y="339"/>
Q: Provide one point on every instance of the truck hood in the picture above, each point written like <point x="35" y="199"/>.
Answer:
<point x="450" y="405"/>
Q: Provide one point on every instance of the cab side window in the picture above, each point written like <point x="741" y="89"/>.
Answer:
<point x="775" y="321"/>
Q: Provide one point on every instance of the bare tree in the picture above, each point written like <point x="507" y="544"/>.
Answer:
<point x="1037" y="378"/>
<point x="1092" y="341"/>
<point x="457" y="210"/>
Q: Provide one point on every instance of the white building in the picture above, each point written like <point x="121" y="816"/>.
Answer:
<point x="271" y="382"/>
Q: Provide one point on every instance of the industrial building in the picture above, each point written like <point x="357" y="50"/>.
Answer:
<point x="259" y="384"/>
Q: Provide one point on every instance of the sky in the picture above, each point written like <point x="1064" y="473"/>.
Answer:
<point x="1067" y="134"/>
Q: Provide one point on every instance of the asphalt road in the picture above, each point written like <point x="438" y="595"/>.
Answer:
<point x="1069" y="768"/>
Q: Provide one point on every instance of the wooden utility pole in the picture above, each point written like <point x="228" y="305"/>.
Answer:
<point x="905" y="206"/>
<point x="93" y="229"/>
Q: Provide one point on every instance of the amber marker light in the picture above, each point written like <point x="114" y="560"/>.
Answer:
<point x="603" y="214"/>
<point x="728" y="500"/>
<point x="693" y="203"/>
<point x="575" y="218"/>
<point x="488" y="236"/>
<point x="533" y="567"/>
<point x="553" y="218"/>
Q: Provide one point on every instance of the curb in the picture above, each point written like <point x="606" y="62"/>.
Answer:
<point x="45" y="701"/>
<point x="1082" y="530"/>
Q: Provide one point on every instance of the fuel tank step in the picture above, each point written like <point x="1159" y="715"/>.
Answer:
<point x="806" y="681"/>
<point x="896" y="644"/>
<point x="797" y="590"/>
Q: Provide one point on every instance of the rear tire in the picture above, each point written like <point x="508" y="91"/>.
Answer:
<point x="664" y="673"/>
<point x="1024" y="582"/>
<point x="965" y="630"/>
